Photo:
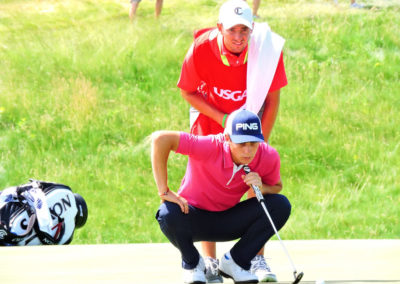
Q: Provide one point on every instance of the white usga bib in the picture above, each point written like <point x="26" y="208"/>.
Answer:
<point x="40" y="213"/>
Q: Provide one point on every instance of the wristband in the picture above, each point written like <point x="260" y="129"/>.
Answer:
<point x="164" y="193"/>
<point x="223" y="120"/>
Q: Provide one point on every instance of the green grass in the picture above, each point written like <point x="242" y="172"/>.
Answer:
<point x="81" y="88"/>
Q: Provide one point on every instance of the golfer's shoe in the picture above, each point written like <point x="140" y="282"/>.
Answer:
<point x="229" y="269"/>
<point x="260" y="268"/>
<point x="212" y="273"/>
<point x="195" y="275"/>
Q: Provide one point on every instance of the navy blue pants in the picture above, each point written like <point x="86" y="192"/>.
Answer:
<point x="245" y="221"/>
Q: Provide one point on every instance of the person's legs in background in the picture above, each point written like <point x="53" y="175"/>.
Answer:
<point x="134" y="6"/>
<point x="354" y="4"/>
<point x="256" y="5"/>
<point x="158" y="8"/>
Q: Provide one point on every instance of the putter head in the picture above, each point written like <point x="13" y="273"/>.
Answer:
<point x="297" y="277"/>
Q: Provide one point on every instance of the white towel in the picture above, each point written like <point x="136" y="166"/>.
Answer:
<point x="264" y="51"/>
<point x="37" y="200"/>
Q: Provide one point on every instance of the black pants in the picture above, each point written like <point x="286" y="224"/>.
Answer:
<point x="245" y="221"/>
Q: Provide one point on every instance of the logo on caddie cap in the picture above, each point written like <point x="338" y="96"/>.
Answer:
<point x="238" y="11"/>
<point x="235" y="12"/>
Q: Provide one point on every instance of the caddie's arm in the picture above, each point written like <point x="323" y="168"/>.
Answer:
<point x="199" y="103"/>
<point x="270" y="113"/>
<point x="163" y="142"/>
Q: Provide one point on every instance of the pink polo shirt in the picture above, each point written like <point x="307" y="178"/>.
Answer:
<point x="210" y="182"/>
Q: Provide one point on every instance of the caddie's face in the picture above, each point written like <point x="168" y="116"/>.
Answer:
<point x="236" y="38"/>
<point x="243" y="153"/>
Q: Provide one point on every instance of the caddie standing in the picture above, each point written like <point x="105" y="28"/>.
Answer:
<point x="238" y="64"/>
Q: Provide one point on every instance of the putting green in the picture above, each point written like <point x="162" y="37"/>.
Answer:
<point x="338" y="261"/>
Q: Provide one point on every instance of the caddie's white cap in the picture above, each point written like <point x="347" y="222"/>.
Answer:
<point x="235" y="12"/>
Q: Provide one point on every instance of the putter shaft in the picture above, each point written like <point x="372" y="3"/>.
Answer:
<point x="260" y="198"/>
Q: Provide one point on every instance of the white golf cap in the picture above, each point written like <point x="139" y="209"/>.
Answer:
<point x="235" y="12"/>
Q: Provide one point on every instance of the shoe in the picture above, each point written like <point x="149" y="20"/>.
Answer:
<point x="195" y="275"/>
<point x="229" y="269"/>
<point x="212" y="273"/>
<point x="260" y="268"/>
<point x="356" y="5"/>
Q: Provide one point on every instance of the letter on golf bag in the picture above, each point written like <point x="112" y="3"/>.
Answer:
<point x="40" y="213"/>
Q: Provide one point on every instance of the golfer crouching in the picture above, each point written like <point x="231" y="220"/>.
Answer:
<point x="207" y="206"/>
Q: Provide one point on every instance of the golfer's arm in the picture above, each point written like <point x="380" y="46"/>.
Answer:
<point x="199" y="103"/>
<point x="270" y="113"/>
<point x="163" y="142"/>
<point x="271" y="189"/>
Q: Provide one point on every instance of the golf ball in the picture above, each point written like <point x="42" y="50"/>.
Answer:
<point x="320" y="282"/>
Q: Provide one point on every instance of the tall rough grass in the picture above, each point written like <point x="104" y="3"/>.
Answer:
<point x="81" y="88"/>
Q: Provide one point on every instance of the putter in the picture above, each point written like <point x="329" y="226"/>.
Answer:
<point x="260" y="198"/>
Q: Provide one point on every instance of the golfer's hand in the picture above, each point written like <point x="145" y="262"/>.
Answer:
<point x="175" y="198"/>
<point x="252" y="178"/>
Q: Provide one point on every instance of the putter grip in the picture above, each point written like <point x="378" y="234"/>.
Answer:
<point x="256" y="190"/>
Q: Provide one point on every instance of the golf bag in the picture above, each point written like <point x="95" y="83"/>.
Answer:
<point x="40" y="213"/>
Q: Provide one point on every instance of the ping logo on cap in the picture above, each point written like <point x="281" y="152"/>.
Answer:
<point x="246" y="126"/>
<point x="238" y="10"/>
